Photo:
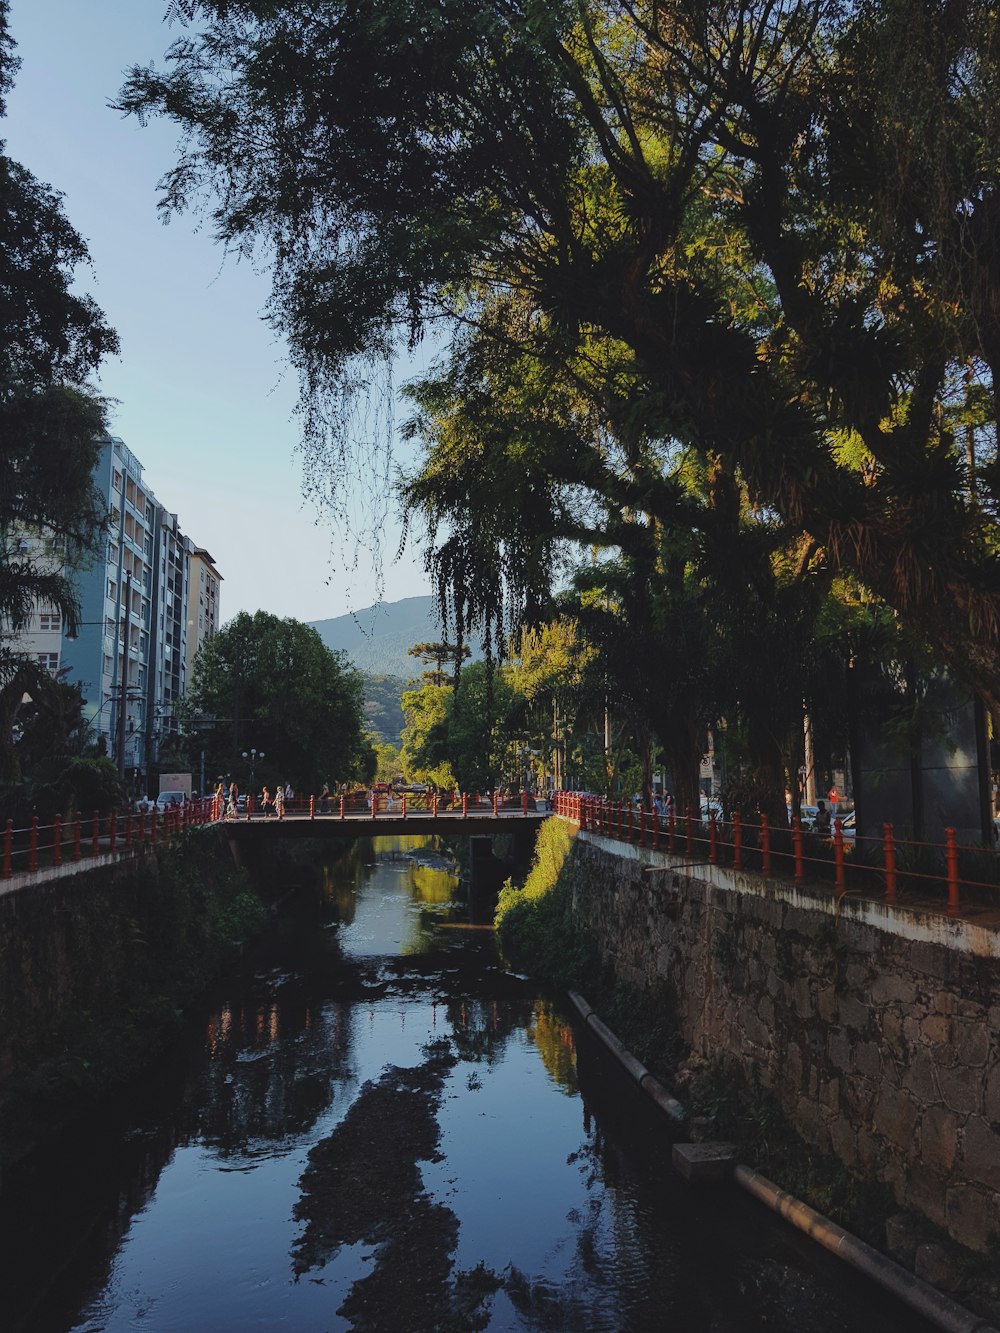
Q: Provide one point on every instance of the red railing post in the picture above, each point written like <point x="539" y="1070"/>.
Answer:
<point x="737" y="840"/>
<point x="712" y="838"/>
<point x="142" y="827"/>
<point x="688" y="832"/>
<point x="57" y="840"/>
<point x="496" y="802"/>
<point x="838" y="854"/>
<point x="113" y="831"/>
<point x="404" y="804"/>
<point x="374" y="804"/>
<point x="249" y="804"/>
<point x="630" y="831"/>
<point x="671" y="830"/>
<point x="642" y="826"/>
<point x="798" y="849"/>
<point x="465" y="805"/>
<point x="33" y="844"/>
<point x="152" y="826"/>
<point x="656" y="829"/>
<point x="765" y="845"/>
<point x="95" y="833"/>
<point x="434" y="805"/>
<point x="951" y="859"/>
<point x="8" y="847"/>
<point x="77" y="853"/>
<point x="524" y="802"/>
<point x="889" y="858"/>
<point x="128" y="829"/>
<point x="342" y="813"/>
<point x="312" y="807"/>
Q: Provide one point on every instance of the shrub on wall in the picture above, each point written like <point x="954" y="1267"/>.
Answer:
<point x="535" y="924"/>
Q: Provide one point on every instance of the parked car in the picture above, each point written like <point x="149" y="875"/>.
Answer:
<point x="166" y="799"/>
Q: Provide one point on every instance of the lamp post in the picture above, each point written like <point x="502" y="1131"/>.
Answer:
<point x="251" y="756"/>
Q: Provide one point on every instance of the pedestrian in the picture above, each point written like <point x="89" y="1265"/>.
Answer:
<point x="279" y="801"/>
<point x="232" y="809"/>
<point x="821" y="824"/>
<point x="266" y="804"/>
<point x="324" y="799"/>
<point x="220" y="801"/>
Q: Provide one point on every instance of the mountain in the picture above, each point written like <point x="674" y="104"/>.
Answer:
<point x="376" y="639"/>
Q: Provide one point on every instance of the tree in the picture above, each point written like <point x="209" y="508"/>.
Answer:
<point x="274" y="686"/>
<point x="774" y="222"/>
<point x="51" y="421"/>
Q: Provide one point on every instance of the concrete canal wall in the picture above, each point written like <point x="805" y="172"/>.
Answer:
<point x="877" y="1026"/>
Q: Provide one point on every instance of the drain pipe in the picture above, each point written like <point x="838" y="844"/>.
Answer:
<point x="913" y="1291"/>
<point x="649" y="1083"/>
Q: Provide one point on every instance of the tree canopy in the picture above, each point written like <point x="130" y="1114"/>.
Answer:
<point x="52" y="340"/>
<point x="722" y="297"/>
<point x="272" y="685"/>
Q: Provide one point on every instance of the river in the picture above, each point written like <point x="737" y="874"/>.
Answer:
<point x="374" y="1124"/>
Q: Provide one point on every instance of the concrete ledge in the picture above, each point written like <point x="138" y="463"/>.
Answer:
<point x="704" y="1163"/>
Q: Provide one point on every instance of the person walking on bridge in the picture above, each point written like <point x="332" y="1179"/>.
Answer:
<point x="279" y="801"/>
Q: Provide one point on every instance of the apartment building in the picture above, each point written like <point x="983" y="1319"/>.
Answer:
<point x="204" y="598"/>
<point x="130" y="654"/>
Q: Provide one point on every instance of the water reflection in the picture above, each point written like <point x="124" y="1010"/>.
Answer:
<point x="377" y="1126"/>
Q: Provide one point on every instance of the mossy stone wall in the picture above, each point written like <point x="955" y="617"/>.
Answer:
<point x="877" y="1026"/>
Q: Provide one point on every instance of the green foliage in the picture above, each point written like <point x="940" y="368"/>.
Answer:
<point x="535" y="924"/>
<point x="282" y="692"/>
<point x="52" y="340"/>
<point x="384" y="707"/>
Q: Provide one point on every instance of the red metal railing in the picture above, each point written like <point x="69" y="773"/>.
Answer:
<point x="885" y="865"/>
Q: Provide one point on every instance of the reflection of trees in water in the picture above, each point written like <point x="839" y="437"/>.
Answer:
<point x="553" y="1036"/>
<point x="272" y="1071"/>
<point x="481" y="1028"/>
<point x="363" y="1186"/>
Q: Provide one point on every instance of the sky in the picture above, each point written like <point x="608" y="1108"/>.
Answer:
<point x="204" y="397"/>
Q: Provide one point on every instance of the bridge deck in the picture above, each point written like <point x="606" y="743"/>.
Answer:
<point x="415" y="823"/>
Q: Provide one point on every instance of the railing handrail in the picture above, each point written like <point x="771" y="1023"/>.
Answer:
<point x="720" y="841"/>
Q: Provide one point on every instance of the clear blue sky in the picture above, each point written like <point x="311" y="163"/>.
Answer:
<point x="204" y="396"/>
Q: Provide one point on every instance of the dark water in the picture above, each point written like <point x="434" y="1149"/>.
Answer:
<point x="376" y="1021"/>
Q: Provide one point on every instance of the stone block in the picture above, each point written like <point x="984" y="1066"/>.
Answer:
<point x="903" y="1233"/>
<point x="895" y="1117"/>
<point x="972" y="1215"/>
<point x="980" y="1154"/>
<point x="829" y="1094"/>
<point x="930" y="959"/>
<point x="871" y="1153"/>
<point x="991" y="1105"/>
<point x="838" y="1048"/>
<point x="961" y="1089"/>
<point x="920" y="1078"/>
<point x="854" y="1014"/>
<point x="972" y="1043"/>
<point x="938" y="1139"/>
<point x="802" y="998"/>
<point x="890" y="988"/>
<point x="704" y="1163"/>
<point x="936" y="1029"/>
<point x="926" y="1191"/>
<point x="843" y="1141"/>
<point x="868" y="1059"/>
<point x="826" y="1004"/>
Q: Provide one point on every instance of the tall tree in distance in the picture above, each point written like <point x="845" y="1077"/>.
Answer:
<point x="273" y="686"/>
<point x="52" y="341"/>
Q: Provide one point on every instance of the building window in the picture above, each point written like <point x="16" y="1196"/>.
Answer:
<point x="116" y="480"/>
<point x="50" y="620"/>
<point x="50" y="661"/>
<point x="112" y="589"/>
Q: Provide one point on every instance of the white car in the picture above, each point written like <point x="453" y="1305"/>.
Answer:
<point x="167" y="799"/>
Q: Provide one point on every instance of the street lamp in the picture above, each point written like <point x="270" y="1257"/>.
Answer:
<point x="251" y="756"/>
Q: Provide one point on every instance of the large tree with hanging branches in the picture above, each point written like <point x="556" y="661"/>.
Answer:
<point x="763" y="233"/>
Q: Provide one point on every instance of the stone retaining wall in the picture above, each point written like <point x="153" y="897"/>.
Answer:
<point x="877" y="1026"/>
